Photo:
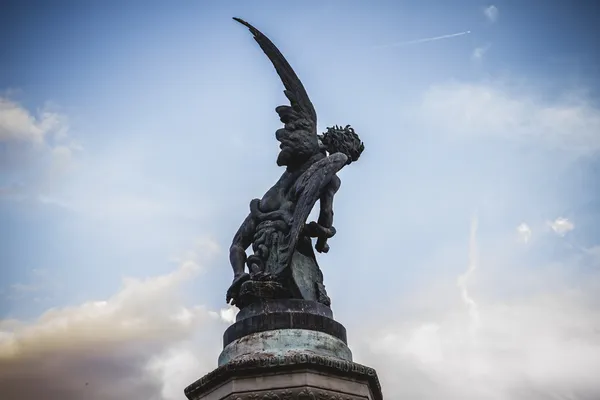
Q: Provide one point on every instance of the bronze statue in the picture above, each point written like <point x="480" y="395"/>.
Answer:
<point x="283" y="264"/>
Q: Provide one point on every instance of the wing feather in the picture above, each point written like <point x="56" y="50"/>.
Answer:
<point x="307" y="190"/>
<point x="301" y="114"/>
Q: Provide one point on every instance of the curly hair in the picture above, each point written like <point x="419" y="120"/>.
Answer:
<point x="343" y="140"/>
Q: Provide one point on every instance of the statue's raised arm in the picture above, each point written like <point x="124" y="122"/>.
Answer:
<point x="283" y="264"/>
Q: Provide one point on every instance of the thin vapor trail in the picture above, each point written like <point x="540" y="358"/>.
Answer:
<point x="431" y="39"/>
<point x="462" y="280"/>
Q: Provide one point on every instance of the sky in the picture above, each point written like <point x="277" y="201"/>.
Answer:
<point x="133" y="136"/>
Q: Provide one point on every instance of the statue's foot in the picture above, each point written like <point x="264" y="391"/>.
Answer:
<point x="234" y="289"/>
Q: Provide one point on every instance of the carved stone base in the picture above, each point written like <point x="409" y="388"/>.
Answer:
<point x="253" y="291"/>
<point x="300" y="376"/>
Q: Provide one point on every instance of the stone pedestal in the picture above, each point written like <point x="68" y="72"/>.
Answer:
<point x="286" y="350"/>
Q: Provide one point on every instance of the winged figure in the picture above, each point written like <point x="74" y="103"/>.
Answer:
<point x="283" y="263"/>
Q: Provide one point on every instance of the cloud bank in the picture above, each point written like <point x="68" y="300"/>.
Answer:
<point x="36" y="150"/>
<point x="540" y="344"/>
<point x="143" y="342"/>
<point x="512" y="113"/>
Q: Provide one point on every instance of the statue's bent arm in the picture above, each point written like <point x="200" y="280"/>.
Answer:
<point x="326" y="214"/>
<point x="241" y="241"/>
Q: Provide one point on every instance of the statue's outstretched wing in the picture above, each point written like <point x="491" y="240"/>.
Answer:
<point x="301" y="114"/>
<point x="307" y="190"/>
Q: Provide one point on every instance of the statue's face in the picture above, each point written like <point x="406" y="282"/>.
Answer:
<point x="296" y="146"/>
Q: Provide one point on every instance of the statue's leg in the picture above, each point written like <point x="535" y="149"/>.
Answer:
<point x="305" y="272"/>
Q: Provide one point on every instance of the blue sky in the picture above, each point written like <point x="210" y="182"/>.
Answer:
<point x="133" y="136"/>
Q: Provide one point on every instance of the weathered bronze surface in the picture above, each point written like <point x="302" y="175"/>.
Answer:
<point x="283" y="264"/>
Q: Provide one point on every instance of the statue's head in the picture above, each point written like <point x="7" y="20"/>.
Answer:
<point x="297" y="146"/>
<point x="343" y="140"/>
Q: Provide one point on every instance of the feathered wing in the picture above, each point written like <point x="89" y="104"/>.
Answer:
<point x="307" y="190"/>
<point x="301" y="114"/>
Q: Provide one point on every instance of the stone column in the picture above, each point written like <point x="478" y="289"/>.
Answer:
<point x="286" y="350"/>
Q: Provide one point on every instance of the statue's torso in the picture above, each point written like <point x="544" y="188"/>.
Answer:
<point x="276" y="210"/>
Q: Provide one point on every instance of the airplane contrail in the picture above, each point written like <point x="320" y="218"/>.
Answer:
<point x="472" y="306"/>
<point x="431" y="39"/>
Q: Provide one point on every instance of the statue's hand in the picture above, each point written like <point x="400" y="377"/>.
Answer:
<point x="322" y="246"/>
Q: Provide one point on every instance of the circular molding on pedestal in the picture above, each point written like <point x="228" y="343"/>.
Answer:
<point x="267" y="306"/>
<point x="281" y="321"/>
<point x="283" y="342"/>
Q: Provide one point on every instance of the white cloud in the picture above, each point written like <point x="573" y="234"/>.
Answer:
<point x="228" y="314"/>
<point x="534" y="349"/>
<point x="38" y="148"/>
<point x="524" y="232"/>
<point x="536" y="345"/>
<point x="491" y="13"/>
<point x="479" y="52"/>
<point x="499" y="111"/>
<point x="176" y="368"/>
<point x="134" y="344"/>
<point x="561" y="226"/>
<point x="17" y="124"/>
